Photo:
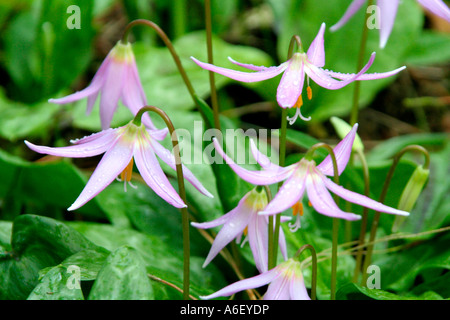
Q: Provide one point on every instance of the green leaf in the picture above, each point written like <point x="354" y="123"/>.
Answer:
<point x="123" y="277"/>
<point x="36" y="243"/>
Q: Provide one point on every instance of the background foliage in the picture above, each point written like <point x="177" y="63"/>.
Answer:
<point x="125" y="242"/>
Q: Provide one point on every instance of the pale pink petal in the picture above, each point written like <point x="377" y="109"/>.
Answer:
<point x="290" y="193"/>
<point x="153" y="175"/>
<point x="342" y="152"/>
<point x="316" y="51"/>
<point x="278" y="289"/>
<point x="291" y="84"/>
<point x="258" y="241"/>
<point x="388" y="12"/>
<point x="262" y="177"/>
<point x="322" y="201"/>
<point x="262" y="159"/>
<point x="249" y="283"/>
<point x="249" y="66"/>
<point x="115" y="78"/>
<point x="360" y="199"/>
<point x="366" y="76"/>
<point x="92" y="146"/>
<point x="297" y="288"/>
<point x="90" y="91"/>
<point x="438" y="7"/>
<point x="322" y="78"/>
<point x="243" y="76"/>
<point x="158" y="134"/>
<point x="351" y="10"/>
<point x="168" y="157"/>
<point x="112" y="164"/>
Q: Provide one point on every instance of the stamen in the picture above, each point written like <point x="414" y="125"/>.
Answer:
<point x="309" y="92"/>
<point x="297" y="106"/>
<point x="126" y="175"/>
<point x="295" y="226"/>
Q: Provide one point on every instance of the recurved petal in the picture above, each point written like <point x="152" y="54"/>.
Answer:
<point x="291" y="84"/>
<point x="262" y="159"/>
<point x="249" y="283"/>
<point x="366" y="76"/>
<point x="351" y="10"/>
<point x="87" y="147"/>
<point x="297" y="288"/>
<point x="322" y="201"/>
<point x="153" y="175"/>
<point x="342" y="152"/>
<point x="316" y="51"/>
<point x="166" y="156"/>
<point x="278" y="289"/>
<point x="438" y="7"/>
<point x="360" y="199"/>
<point x="249" y="66"/>
<point x="112" y="164"/>
<point x="322" y="77"/>
<point x="388" y="11"/>
<point x="258" y="241"/>
<point x="243" y="76"/>
<point x="263" y="177"/>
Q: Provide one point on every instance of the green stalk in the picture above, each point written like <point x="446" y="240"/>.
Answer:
<point x="212" y="84"/>
<point x="376" y="218"/>
<point x="362" y="50"/>
<point x="182" y="192"/>
<point x="179" y="18"/>
<point x="362" y="233"/>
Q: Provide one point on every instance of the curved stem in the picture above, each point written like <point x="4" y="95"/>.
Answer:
<point x="314" y="267"/>
<point x="212" y="84"/>
<point x="362" y="50"/>
<point x="362" y="233"/>
<point x="181" y="188"/>
<point x="376" y="218"/>
<point x="169" y="46"/>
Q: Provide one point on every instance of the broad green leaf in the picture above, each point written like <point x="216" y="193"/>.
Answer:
<point x="36" y="243"/>
<point x="123" y="277"/>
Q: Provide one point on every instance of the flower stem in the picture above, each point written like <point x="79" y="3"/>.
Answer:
<point x="212" y="84"/>
<point x="376" y="218"/>
<point x="179" y="18"/>
<point x="182" y="191"/>
<point x="362" y="233"/>
<point x="314" y="267"/>
<point x="362" y="50"/>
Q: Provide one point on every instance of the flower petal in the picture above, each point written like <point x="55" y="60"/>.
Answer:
<point x="243" y="76"/>
<point x="388" y="11"/>
<point x="367" y="76"/>
<point x="342" y="152"/>
<point x="262" y="177"/>
<point x="258" y="241"/>
<point x="278" y="289"/>
<point x="249" y="283"/>
<point x="290" y="193"/>
<point x="322" y="78"/>
<point x="166" y="156"/>
<point x="112" y="164"/>
<point x="360" y="199"/>
<point x="153" y="175"/>
<point x="249" y="66"/>
<point x="322" y="201"/>
<point x="262" y="159"/>
<point x="87" y="147"/>
<point x="297" y="288"/>
<point x="438" y="7"/>
<point x="316" y="51"/>
<point x="291" y="84"/>
<point x="351" y="10"/>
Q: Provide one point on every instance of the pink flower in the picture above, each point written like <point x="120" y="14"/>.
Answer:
<point x="117" y="78"/>
<point x="244" y="219"/>
<point x="305" y="175"/>
<point x="291" y="85"/>
<point x="285" y="283"/>
<point x="120" y="146"/>
<point x="388" y="12"/>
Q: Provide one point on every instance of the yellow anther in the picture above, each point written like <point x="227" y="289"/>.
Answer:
<point x="309" y="92"/>
<point x="299" y="102"/>
<point x="245" y="231"/>
<point x="297" y="208"/>
<point x="127" y="172"/>
<point x="309" y="203"/>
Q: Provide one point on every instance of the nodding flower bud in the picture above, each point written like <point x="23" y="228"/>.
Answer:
<point x="410" y="194"/>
